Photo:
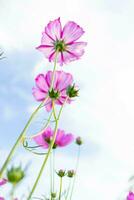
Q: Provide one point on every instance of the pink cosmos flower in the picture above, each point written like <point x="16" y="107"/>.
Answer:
<point x="45" y="137"/>
<point x="64" y="40"/>
<point x="3" y="181"/>
<point x="130" y="196"/>
<point x="61" y="82"/>
<point x="1" y="198"/>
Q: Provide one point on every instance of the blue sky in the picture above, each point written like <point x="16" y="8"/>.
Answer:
<point x="103" y="114"/>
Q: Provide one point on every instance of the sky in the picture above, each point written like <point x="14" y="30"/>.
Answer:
<point x="103" y="114"/>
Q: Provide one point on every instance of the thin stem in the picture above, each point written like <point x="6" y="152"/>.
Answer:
<point x="43" y="129"/>
<point x="69" y="187"/>
<point x="60" y="188"/>
<point x="53" y="170"/>
<point x="76" y="169"/>
<point x="51" y="178"/>
<point x="12" y="193"/>
<point x="47" y="155"/>
<point x="54" y="69"/>
<point x="20" y="138"/>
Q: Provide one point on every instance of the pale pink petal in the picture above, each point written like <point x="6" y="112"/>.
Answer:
<point x="46" y="50"/>
<point x="49" y="106"/>
<point x="76" y="49"/>
<point x="46" y="40"/>
<point x="72" y="32"/>
<point x="38" y="94"/>
<point x="41" y="83"/>
<point x="54" y="29"/>
<point x="59" y="57"/>
<point x="48" y="78"/>
<point x="58" y="102"/>
<point x="64" y="80"/>
<point x="41" y="141"/>
<point x="3" y="181"/>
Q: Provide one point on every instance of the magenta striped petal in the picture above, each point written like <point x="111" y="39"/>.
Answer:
<point x="41" y="83"/>
<point x="38" y="94"/>
<point x="54" y="29"/>
<point x="72" y="32"/>
<point x="46" y="50"/>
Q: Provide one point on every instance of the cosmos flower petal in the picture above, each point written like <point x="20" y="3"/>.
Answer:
<point x="2" y="198"/>
<point x="48" y="132"/>
<point x="54" y="29"/>
<point x="46" y="50"/>
<point x="130" y="196"/>
<point x="3" y="181"/>
<point x="76" y="49"/>
<point x="60" y="134"/>
<point x="65" y="79"/>
<point x="41" y="83"/>
<point x="72" y="32"/>
<point x="49" y="106"/>
<point x="40" y="141"/>
<point x="46" y="40"/>
<point x="63" y="139"/>
<point x="38" y="94"/>
<point x="67" y="139"/>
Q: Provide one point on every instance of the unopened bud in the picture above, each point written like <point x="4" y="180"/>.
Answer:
<point x="79" y="141"/>
<point x="53" y="194"/>
<point x="15" y="175"/>
<point x="72" y="91"/>
<point x="61" y="173"/>
<point x="71" y="173"/>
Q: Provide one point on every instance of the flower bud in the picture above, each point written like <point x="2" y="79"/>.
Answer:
<point x="53" y="94"/>
<point x="71" y="173"/>
<point x="72" y="91"/>
<point x="53" y="194"/>
<point x="79" y="141"/>
<point x="61" y="173"/>
<point x="15" y="175"/>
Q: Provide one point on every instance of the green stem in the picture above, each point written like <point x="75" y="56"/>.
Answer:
<point x="51" y="178"/>
<point x="76" y="169"/>
<point x="20" y="138"/>
<point x="47" y="156"/>
<point x="53" y="172"/>
<point x="60" y="188"/>
<point x="69" y="187"/>
<point x="12" y="193"/>
<point x="45" y="126"/>
<point x="54" y="69"/>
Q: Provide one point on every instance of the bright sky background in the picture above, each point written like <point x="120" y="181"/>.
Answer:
<point x="104" y="113"/>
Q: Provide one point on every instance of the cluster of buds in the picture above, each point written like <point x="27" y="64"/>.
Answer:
<point x="70" y="173"/>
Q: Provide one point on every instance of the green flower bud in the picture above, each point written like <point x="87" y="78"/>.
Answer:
<point x="72" y="91"/>
<point x="15" y="175"/>
<point x="61" y="173"/>
<point x="71" y="173"/>
<point x="53" y="94"/>
<point x="53" y="194"/>
<point x="79" y="141"/>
